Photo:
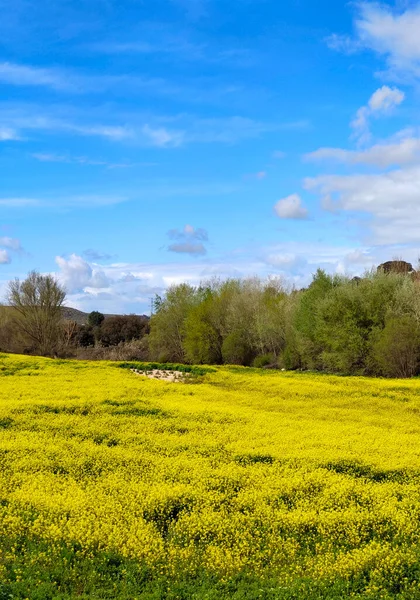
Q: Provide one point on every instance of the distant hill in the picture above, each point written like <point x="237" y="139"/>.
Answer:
<point x="72" y="314"/>
<point x="81" y="318"/>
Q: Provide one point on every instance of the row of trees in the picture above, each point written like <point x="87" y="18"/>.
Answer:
<point x="341" y="325"/>
<point x="33" y="321"/>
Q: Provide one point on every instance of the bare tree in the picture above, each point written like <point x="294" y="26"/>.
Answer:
<point x="38" y="301"/>
<point x="68" y="332"/>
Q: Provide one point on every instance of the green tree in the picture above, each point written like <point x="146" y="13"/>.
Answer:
<point x="167" y="325"/>
<point x="203" y="340"/>
<point x="306" y="318"/>
<point x="95" y="319"/>
<point x="396" y="349"/>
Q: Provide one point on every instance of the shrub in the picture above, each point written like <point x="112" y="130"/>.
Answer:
<point x="263" y="361"/>
<point x="396" y="349"/>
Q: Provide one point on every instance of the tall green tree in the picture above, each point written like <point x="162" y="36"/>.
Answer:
<point x="167" y="325"/>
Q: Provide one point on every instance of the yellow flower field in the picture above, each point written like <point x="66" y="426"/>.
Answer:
<point x="299" y="485"/>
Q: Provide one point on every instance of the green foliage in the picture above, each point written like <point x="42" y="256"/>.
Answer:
<point x="168" y="323"/>
<point x="95" y="319"/>
<point x="396" y="348"/>
<point x="122" y="328"/>
<point x="263" y="361"/>
<point x="203" y="341"/>
<point x="306" y="318"/>
<point x="236" y="349"/>
<point x="336" y="325"/>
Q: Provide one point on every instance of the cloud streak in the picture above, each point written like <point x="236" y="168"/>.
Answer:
<point x="382" y="102"/>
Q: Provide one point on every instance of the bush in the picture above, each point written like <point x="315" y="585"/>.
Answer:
<point x="396" y="349"/>
<point x="263" y="361"/>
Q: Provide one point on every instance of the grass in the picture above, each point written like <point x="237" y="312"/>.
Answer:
<point x="251" y="484"/>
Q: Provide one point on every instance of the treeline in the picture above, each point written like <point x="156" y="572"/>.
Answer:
<point x="33" y="322"/>
<point x="119" y="337"/>
<point x="360" y="326"/>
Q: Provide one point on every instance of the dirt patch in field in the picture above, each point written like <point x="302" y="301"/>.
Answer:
<point x="162" y="375"/>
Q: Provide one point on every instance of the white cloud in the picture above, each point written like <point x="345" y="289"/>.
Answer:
<point x="395" y="152"/>
<point x="392" y="33"/>
<point x="382" y="102"/>
<point x="291" y="208"/>
<point x="132" y="285"/>
<point x="4" y="257"/>
<point x="391" y="200"/>
<point x="285" y="262"/>
<point x="11" y="244"/>
<point x="77" y="275"/>
<point x="385" y="99"/>
<point x="359" y="257"/>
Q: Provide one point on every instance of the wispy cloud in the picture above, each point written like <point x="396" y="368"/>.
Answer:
<point x="163" y="42"/>
<point x="11" y="244"/>
<point x="7" y="134"/>
<point x="77" y="201"/>
<point x="259" y="175"/>
<point x="18" y="122"/>
<point x="162" y="137"/>
<point x="394" y="152"/>
<point x="24" y="75"/>
<point x="382" y="102"/>
<point x="77" y="82"/>
<point x="160" y="131"/>
<point x="152" y="189"/>
<point x="83" y="160"/>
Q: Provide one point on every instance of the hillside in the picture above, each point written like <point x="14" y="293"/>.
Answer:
<point x="80" y="317"/>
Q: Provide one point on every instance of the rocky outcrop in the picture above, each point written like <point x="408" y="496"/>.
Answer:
<point x="396" y="266"/>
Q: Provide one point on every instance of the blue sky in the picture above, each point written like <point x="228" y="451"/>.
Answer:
<point x="149" y="143"/>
